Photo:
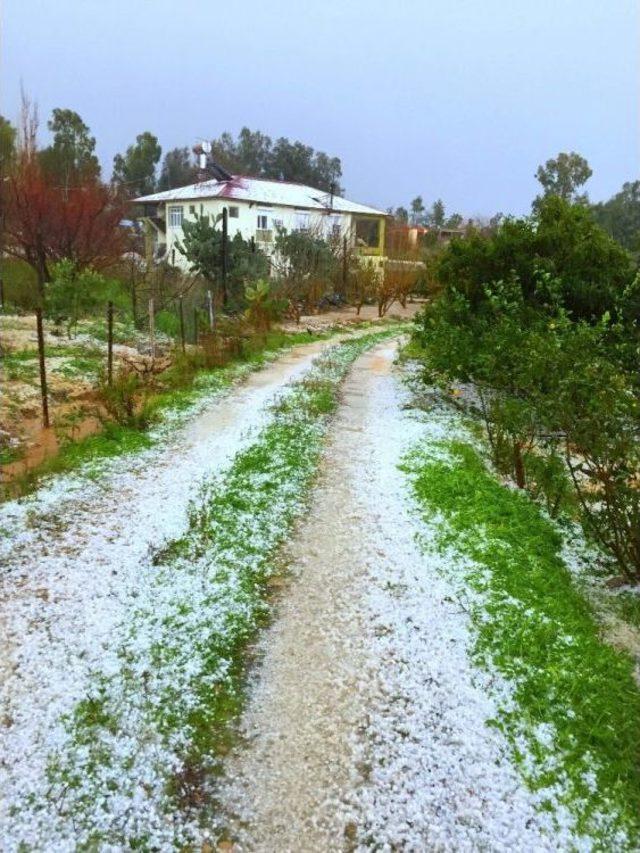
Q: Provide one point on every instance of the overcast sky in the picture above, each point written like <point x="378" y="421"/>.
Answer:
<point x="459" y="99"/>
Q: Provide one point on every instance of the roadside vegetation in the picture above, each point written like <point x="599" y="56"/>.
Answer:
<point x="137" y="765"/>
<point x="572" y="713"/>
<point x="531" y="338"/>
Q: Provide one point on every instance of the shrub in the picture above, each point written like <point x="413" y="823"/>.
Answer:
<point x="559" y="398"/>
<point x="124" y="400"/>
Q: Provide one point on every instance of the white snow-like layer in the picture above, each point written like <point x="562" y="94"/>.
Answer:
<point x="74" y="557"/>
<point x="367" y="722"/>
<point x="440" y="777"/>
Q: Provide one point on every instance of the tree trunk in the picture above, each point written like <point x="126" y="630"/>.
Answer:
<point x="518" y="465"/>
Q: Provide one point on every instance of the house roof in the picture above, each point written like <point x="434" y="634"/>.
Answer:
<point x="262" y="191"/>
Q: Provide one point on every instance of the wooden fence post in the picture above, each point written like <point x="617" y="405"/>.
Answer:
<point x="195" y="326"/>
<point x="212" y="316"/>
<point x="110" y="343"/>
<point x="344" y="267"/>
<point x="181" y="310"/>
<point x="152" y="328"/>
<point x="43" y="370"/>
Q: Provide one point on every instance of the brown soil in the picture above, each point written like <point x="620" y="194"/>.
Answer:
<point x="348" y="316"/>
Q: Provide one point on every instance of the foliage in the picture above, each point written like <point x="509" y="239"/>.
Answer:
<point x="202" y="246"/>
<point x="436" y="215"/>
<point x="20" y="284"/>
<point x="417" y="210"/>
<point x="254" y="153"/>
<point x="73" y="293"/>
<point x="564" y="176"/>
<point x="7" y="145"/>
<point x="135" y="170"/>
<point x="547" y="384"/>
<point x="46" y="223"/>
<point x="561" y="239"/>
<point x="362" y="283"/>
<point x="263" y="307"/>
<point x="178" y="170"/>
<point x="620" y="215"/>
<point x="306" y="265"/>
<point x="71" y="158"/>
<point x="122" y="399"/>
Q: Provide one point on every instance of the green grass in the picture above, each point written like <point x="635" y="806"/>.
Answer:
<point x="577" y="706"/>
<point x="88" y="452"/>
<point x="189" y="636"/>
<point x="627" y="606"/>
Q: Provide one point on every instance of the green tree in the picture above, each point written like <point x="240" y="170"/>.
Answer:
<point x="135" y="170"/>
<point x="620" y="215"/>
<point x="7" y="145"/>
<point x="564" y="176"/>
<point x="70" y="159"/>
<point x="401" y="214"/>
<point x="306" y="267"/>
<point x="7" y="162"/>
<point x="454" y="221"/>
<point x="561" y="239"/>
<point x="178" y="169"/>
<point x="417" y="210"/>
<point x="202" y="247"/>
<point x="436" y="216"/>
<point x="254" y="153"/>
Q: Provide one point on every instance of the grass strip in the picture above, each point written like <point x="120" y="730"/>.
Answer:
<point x="143" y="747"/>
<point x="573" y="720"/>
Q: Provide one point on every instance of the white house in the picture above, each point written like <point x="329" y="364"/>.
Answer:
<point x="256" y="208"/>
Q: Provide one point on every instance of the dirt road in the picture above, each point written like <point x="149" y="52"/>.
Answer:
<point x="366" y="722"/>
<point x="365" y="727"/>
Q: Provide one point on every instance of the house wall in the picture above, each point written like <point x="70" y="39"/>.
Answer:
<point x="247" y="223"/>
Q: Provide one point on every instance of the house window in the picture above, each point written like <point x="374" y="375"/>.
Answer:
<point x="335" y="227"/>
<point x="278" y="224"/>
<point x="303" y="221"/>
<point x="263" y="234"/>
<point x="176" y="215"/>
<point x="192" y="209"/>
<point x="367" y="233"/>
<point x="234" y="212"/>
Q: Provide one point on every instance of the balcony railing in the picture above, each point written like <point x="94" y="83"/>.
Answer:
<point x="264" y="235"/>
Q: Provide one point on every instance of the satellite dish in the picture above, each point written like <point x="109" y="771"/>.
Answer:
<point x="206" y="147"/>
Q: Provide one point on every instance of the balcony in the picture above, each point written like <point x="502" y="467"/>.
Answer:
<point x="264" y="235"/>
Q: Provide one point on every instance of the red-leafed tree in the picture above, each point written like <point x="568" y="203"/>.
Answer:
<point x="46" y="222"/>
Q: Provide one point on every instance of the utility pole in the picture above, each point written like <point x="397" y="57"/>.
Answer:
<point x="224" y="258"/>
